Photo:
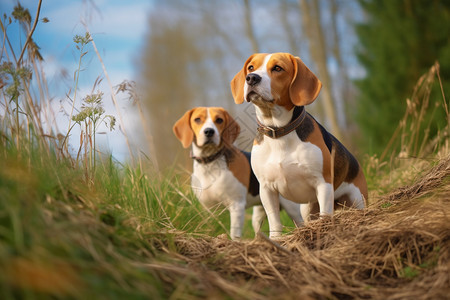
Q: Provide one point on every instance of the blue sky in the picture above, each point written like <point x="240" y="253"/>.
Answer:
<point x="118" y="28"/>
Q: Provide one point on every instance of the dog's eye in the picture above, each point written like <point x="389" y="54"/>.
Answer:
<point x="277" y="68"/>
<point x="197" y="120"/>
<point x="250" y="68"/>
<point x="219" y="120"/>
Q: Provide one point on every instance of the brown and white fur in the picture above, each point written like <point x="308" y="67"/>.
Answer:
<point x="299" y="165"/>
<point x="225" y="178"/>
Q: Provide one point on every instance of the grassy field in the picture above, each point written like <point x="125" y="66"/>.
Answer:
<point x="130" y="235"/>
<point x="84" y="226"/>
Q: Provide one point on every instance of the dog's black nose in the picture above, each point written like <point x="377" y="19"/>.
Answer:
<point x="209" y="132"/>
<point x="253" y="79"/>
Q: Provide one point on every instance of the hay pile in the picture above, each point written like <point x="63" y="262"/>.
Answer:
<point x="397" y="248"/>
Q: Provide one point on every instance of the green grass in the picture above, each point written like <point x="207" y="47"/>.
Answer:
<point x="91" y="237"/>
<point x="51" y="224"/>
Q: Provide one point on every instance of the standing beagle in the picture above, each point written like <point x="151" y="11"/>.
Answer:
<point x="221" y="172"/>
<point x="293" y="155"/>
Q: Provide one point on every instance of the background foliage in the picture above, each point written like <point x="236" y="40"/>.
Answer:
<point x="398" y="42"/>
<point x="369" y="55"/>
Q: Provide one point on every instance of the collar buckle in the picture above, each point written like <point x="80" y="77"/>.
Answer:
<point x="273" y="132"/>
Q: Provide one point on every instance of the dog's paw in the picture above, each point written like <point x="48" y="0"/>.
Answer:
<point x="278" y="238"/>
<point x="222" y="236"/>
<point x="276" y="235"/>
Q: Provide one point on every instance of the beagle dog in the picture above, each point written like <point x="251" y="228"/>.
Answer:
<point x="293" y="155"/>
<point x="221" y="172"/>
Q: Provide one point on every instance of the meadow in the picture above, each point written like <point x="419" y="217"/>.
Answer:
<point x="81" y="225"/>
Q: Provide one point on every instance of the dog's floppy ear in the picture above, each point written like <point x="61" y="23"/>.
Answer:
<point x="231" y="130"/>
<point x="238" y="82"/>
<point x="305" y="86"/>
<point x="183" y="130"/>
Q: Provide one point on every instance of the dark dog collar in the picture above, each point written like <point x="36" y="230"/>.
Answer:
<point x="277" y="132"/>
<point x="208" y="159"/>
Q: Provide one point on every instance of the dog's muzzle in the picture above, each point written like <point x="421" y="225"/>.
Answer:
<point x="254" y="89"/>
<point x="209" y="132"/>
<point x="253" y="79"/>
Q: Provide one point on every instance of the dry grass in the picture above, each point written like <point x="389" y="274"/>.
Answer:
<point x="397" y="248"/>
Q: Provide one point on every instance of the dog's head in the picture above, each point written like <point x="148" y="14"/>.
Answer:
<point x="275" y="79"/>
<point x="209" y="127"/>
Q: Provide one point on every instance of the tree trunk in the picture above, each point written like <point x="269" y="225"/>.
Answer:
<point x="288" y="29"/>
<point x="312" y="25"/>
<point x="343" y="76"/>
<point x="249" y="26"/>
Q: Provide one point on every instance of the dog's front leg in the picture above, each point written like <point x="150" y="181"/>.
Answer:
<point x="325" y="197"/>
<point x="258" y="217"/>
<point x="305" y="210"/>
<point x="271" y="202"/>
<point x="237" y="214"/>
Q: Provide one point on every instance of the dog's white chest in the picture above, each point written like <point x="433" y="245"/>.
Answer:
<point x="215" y="184"/>
<point x="289" y="166"/>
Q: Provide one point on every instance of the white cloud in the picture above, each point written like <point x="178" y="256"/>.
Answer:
<point x="117" y="19"/>
<point x="127" y="21"/>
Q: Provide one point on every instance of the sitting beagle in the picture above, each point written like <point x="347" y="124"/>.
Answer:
<point x="293" y="155"/>
<point x="221" y="172"/>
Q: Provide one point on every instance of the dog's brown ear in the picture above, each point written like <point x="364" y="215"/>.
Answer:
<point x="305" y="86"/>
<point x="231" y="130"/>
<point x="238" y="82"/>
<point x="183" y="130"/>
